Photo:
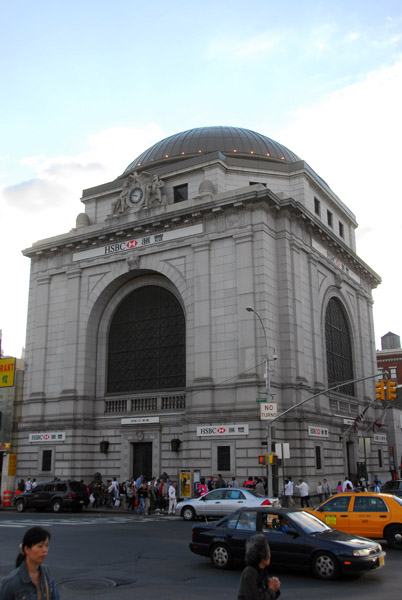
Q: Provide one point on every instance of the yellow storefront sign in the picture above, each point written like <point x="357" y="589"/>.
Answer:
<point x="7" y="370"/>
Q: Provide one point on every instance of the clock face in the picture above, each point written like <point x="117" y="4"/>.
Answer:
<point x="136" y="195"/>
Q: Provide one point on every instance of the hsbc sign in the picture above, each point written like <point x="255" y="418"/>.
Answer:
<point x="318" y="431"/>
<point x="48" y="436"/>
<point x="221" y="430"/>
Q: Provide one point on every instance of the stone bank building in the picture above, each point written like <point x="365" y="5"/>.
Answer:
<point x="141" y="356"/>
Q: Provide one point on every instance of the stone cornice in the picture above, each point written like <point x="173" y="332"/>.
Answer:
<point x="197" y="211"/>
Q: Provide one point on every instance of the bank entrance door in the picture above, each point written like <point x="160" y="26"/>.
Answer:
<point x="142" y="459"/>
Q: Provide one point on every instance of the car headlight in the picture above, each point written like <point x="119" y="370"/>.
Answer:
<point x="367" y="551"/>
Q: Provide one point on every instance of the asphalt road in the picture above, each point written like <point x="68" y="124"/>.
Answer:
<point x="116" y="556"/>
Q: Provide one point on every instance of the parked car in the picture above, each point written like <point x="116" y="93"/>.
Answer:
<point x="393" y="487"/>
<point x="371" y="514"/>
<point x="55" y="495"/>
<point x="222" y="501"/>
<point x="297" y="539"/>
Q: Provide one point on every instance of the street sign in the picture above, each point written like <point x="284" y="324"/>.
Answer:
<point x="261" y="399"/>
<point x="268" y="411"/>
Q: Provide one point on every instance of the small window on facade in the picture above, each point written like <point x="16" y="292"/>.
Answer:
<point x="330" y="218"/>
<point x="256" y="182"/>
<point x="180" y="193"/>
<point x="380" y="458"/>
<point x="341" y="230"/>
<point x="318" y="463"/>
<point x="392" y="372"/>
<point x="47" y="460"/>
<point x="317" y="206"/>
<point x="223" y="458"/>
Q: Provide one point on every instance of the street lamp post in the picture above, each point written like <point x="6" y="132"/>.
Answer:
<point x="268" y="393"/>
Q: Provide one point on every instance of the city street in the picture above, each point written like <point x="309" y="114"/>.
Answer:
<point x="119" y="555"/>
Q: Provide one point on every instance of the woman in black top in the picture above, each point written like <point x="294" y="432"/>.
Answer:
<point x="255" y="583"/>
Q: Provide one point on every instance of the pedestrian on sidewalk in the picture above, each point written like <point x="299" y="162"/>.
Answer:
<point x="31" y="579"/>
<point x="172" y="498"/>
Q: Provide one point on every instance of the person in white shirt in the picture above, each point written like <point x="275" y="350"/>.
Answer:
<point x="172" y="498"/>
<point x="304" y="493"/>
<point x="288" y="494"/>
<point x="347" y="485"/>
<point x="28" y="485"/>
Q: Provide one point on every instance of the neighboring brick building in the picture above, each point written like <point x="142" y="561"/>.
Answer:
<point x="389" y="359"/>
<point x="141" y="356"/>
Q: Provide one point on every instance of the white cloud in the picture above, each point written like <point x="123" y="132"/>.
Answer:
<point x="352" y="139"/>
<point x="48" y="203"/>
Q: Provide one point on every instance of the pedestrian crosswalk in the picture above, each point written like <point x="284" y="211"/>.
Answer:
<point x="98" y="520"/>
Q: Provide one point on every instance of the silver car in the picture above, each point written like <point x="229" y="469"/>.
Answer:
<point x="223" y="501"/>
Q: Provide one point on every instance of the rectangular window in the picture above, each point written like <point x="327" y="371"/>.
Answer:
<point x="392" y="372"/>
<point x="317" y="206"/>
<point x="223" y="458"/>
<point x="180" y="193"/>
<point x="329" y="218"/>
<point x="47" y="460"/>
<point x="318" y="464"/>
<point x="380" y="458"/>
<point x="341" y="230"/>
<point x="256" y="182"/>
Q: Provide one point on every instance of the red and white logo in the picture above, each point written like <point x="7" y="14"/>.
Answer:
<point x="131" y="244"/>
<point x="46" y="436"/>
<point x="221" y="430"/>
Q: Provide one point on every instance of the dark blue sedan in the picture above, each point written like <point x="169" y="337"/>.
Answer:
<point x="297" y="540"/>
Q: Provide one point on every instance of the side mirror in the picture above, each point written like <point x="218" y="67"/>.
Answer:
<point x="292" y="532"/>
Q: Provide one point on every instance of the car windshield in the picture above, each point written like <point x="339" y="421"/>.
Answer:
<point x="309" y="523"/>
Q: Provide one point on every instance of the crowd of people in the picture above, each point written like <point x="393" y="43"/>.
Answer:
<point x="139" y="495"/>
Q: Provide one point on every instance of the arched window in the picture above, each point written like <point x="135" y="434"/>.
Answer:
<point x="147" y="343"/>
<point x="339" y="347"/>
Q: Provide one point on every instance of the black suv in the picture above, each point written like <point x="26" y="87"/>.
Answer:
<point x="394" y="486"/>
<point x="55" y="495"/>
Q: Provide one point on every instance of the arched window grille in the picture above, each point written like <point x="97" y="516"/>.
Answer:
<point x="339" y="347"/>
<point x="147" y="343"/>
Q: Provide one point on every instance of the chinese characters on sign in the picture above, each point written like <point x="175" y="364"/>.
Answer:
<point x="139" y="420"/>
<point x="7" y="370"/>
<point x="318" y="431"/>
<point x="48" y="436"/>
<point x="221" y="430"/>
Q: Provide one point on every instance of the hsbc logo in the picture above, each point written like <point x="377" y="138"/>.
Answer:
<point x="131" y="244"/>
<point x="222" y="430"/>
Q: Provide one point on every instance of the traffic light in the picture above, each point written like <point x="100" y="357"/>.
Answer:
<point x="262" y="459"/>
<point x="379" y="391"/>
<point x="273" y="459"/>
<point x="391" y="390"/>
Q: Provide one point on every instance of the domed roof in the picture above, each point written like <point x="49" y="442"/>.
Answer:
<point x="201" y="140"/>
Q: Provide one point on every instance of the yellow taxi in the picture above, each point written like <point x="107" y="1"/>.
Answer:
<point x="372" y="515"/>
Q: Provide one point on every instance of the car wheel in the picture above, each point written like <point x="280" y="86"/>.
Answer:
<point x="221" y="556"/>
<point x="325" y="566"/>
<point x="393" y="535"/>
<point x="57" y="506"/>
<point x="20" y="505"/>
<point x="188" y="513"/>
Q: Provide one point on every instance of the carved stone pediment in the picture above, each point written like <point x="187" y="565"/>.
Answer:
<point x="140" y="191"/>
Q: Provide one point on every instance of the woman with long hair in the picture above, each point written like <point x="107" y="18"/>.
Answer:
<point x="31" y="579"/>
<point x="255" y="582"/>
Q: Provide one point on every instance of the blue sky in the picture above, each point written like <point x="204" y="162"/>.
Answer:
<point x="86" y="86"/>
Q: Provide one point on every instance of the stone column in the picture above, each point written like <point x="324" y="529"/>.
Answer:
<point x="202" y="313"/>
<point x="71" y="332"/>
<point x="39" y="345"/>
<point x="245" y="297"/>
